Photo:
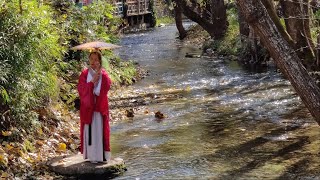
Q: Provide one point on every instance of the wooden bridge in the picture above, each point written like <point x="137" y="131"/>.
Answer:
<point x="135" y="12"/>
<point x="132" y="7"/>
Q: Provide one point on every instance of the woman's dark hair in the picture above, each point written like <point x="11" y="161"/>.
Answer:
<point x="99" y="56"/>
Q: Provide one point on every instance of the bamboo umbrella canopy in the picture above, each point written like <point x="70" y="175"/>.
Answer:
<point x="95" y="45"/>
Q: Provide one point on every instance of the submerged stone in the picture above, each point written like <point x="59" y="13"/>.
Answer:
<point x="76" y="166"/>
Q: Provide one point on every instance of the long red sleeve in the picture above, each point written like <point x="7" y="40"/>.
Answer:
<point x="102" y="104"/>
<point x="85" y="91"/>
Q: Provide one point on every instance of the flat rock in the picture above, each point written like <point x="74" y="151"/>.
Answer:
<point x="192" y="55"/>
<point x="75" y="165"/>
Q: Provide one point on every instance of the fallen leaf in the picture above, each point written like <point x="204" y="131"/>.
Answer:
<point x="3" y="160"/>
<point x="5" y="175"/>
<point x="21" y="153"/>
<point x="29" y="159"/>
<point x="8" y="147"/>
<point x="40" y="132"/>
<point x="1" y="150"/>
<point x="62" y="147"/>
<point x="39" y="142"/>
<point x="6" y="133"/>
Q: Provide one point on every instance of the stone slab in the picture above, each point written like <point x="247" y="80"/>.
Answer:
<point x="75" y="165"/>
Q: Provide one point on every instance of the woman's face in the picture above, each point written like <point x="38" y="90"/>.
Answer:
<point x="94" y="62"/>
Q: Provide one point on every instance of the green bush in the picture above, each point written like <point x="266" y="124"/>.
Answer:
<point x="230" y="44"/>
<point x="165" y="20"/>
<point x="28" y="53"/>
<point x="121" y="72"/>
<point x="89" y="23"/>
<point x="36" y="65"/>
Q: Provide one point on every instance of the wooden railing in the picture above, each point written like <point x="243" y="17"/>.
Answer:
<point x="138" y="7"/>
<point x="119" y="8"/>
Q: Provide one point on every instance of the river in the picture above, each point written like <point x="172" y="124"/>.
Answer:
<point x="221" y="122"/>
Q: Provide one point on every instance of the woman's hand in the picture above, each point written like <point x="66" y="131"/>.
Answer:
<point x="96" y="77"/>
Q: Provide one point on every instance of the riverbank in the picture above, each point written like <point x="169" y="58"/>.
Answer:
<point x="196" y="36"/>
<point x="25" y="154"/>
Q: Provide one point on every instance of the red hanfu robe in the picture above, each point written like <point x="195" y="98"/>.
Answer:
<point x="87" y="105"/>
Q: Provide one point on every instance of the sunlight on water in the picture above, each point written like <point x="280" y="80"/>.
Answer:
<point x="221" y="122"/>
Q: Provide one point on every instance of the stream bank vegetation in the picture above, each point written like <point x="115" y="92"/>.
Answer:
<point x="38" y="78"/>
<point x="163" y="13"/>
<point x="286" y="32"/>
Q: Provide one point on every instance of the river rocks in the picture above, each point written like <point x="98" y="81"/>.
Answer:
<point x="209" y="52"/>
<point x="159" y="115"/>
<point x="129" y="112"/>
<point x="76" y="166"/>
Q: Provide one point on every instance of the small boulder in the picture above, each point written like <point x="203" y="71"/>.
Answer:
<point x="129" y="113"/>
<point x="76" y="166"/>
<point x="159" y="115"/>
<point x="190" y="55"/>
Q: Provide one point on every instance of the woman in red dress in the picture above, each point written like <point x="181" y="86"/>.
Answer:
<point x="94" y="84"/>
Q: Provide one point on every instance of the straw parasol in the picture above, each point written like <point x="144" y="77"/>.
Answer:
<point x="95" y="45"/>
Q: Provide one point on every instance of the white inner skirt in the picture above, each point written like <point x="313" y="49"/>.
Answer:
<point x="94" y="152"/>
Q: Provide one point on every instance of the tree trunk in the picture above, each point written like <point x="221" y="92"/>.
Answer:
<point x="289" y="11"/>
<point x="243" y="26"/>
<point x="178" y="19"/>
<point x="268" y="4"/>
<point x="254" y="55"/>
<point x="194" y="13"/>
<point x="20" y="6"/>
<point x="318" y="53"/>
<point x="219" y="18"/>
<point x="253" y="46"/>
<point x="296" y="15"/>
<point x="309" y="50"/>
<point x="285" y="57"/>
<point x="202" y="15"/>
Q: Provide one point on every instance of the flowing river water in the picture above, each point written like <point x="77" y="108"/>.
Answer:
<point x="221" y="122"/>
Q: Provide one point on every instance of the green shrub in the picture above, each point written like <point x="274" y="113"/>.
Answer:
<point x="230" y="44"/>
<point x="165" y="20"/>
<point x="28" y="53"/>
<point x="36" y="65"/>
<point x="89" y="23"/>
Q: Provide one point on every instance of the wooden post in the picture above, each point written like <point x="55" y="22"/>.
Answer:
<point x="145" y="6"/>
